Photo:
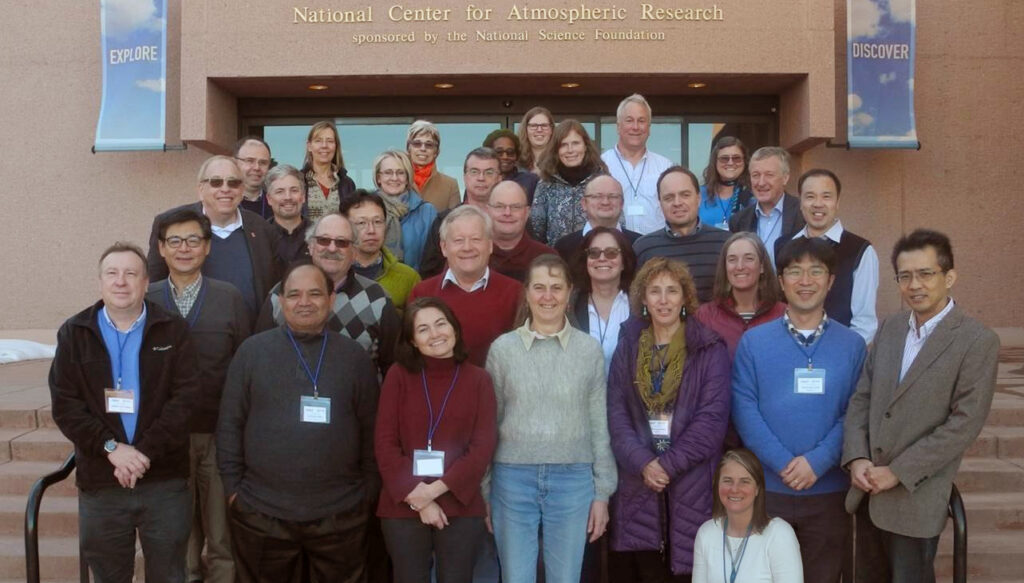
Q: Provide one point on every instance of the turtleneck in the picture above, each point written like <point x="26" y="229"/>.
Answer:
<point x="573" y="175"/>
<point x="438" y="366"/>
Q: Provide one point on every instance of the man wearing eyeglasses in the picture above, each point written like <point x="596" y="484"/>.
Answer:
<point x="602" y="205"/>
<point x="514" y="248"/>
<point x="286" y="194"/>
<point x="791" y="381"/>
<point x="218" y="322"/>
<point x="243" y="249"/>
<point x="361" y="310"/>
<point x="373" y="260"/>
<point x="923" y="398"/>
<point x="683" y="236"/>
<point x="253" y="157"/>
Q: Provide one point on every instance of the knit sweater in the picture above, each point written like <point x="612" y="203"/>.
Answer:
<point x="775" y="421"/>
<point x="698" y="250"/>
<point x="551" y="403"/>
<point x="515" y="261"/>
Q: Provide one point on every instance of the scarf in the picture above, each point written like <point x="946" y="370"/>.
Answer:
<point x="421" y="174"/>
<point x="396" y="210"/>
<point x="674" y="359"/>
<point x="574" y="175"/>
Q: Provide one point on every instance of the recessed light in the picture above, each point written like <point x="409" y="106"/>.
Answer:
<point x="697" y="85"/>
<point x="317" y="87"/>
<point x="444" y="85"/>
<point x="570" y="85"/>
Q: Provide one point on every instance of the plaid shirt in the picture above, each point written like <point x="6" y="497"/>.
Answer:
<point x="188" y="296"/>
<point x="805" y="340"/>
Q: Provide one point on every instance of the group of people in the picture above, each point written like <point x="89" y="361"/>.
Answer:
<point x="548" y="376"/>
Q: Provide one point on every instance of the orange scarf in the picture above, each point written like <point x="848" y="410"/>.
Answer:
<point x="421" y="174"/>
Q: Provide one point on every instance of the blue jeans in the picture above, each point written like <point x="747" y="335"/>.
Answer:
<point x="552" y="498"/>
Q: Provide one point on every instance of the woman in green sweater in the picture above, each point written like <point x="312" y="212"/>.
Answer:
<point x="553" y="468"/>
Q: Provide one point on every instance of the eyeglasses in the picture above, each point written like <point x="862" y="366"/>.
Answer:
<point x="536" y="127"/>
<point x="725" y="159"/>
<point x="326" y="242"/>
<point x="608" y="252"/>
<point x="475" y="172"/>
<point x="192" y="241"/>
<point x="255" y="162"/>
<point x="422" y="144"/>
<point x="218" y="182"/>
<point x="391" y="173"/>
<point x="363" y="223"/>
<point x="795" y="273"/>
<point x="603" y="197"/>
<point x="501" y="208"/>
<point x="925" y="276"/>
<point x="505" y="152"/>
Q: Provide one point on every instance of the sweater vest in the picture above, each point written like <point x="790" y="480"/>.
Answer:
<point x="849" y="251"/>
<point x="229" y="261"/>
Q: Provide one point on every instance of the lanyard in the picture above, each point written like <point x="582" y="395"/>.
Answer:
<point x="323" y="348"/>
<point x="803" y="347"/>
<point x="607" y="324"/>
<point x="120" y="352"/>
<point x="433" y="424"/>
<point x="728" y="210"/>
<point x="659" y="378"/>
<point x="743" y="549"/>
<point x="196" y="307"/>
<point x="771" y="230"/>
<point x="629" y="179"/>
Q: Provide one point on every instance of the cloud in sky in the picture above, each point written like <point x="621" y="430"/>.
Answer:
<point x="886" y="78"/>
<point x="156" y="85"/>
<point x="853" y="101"/>
<point x="901" y="10"/>
<point x="125" y="16"/>
<point x="861" y="120"/>
<point x="865" y="16"/>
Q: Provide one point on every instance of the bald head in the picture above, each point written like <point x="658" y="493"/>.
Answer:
<point x="602" y="201"/>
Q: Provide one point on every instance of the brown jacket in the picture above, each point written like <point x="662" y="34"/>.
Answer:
<point x="440" y="190"/>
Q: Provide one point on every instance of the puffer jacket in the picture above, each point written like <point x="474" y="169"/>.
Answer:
<point x="642" y="520"/>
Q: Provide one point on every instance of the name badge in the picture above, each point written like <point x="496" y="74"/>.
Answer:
<point x="315" y="409"/>
<point x="809" y="381"/>
<point x="427" y="463"/>
<point x="119" y="401"/>
<point x="724" y="225"/>
<point x="661" y="424"/>
<point x="635" y="210"/>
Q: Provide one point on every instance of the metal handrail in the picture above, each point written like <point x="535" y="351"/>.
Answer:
<point x="959" y="515"/>
<point x="35" y="500"/>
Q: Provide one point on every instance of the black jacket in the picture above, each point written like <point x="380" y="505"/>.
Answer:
<point x="792" y="220"/>
<point x="168" y="375"/>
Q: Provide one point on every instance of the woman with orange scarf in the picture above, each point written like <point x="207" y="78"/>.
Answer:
<point x="424" y="145"/>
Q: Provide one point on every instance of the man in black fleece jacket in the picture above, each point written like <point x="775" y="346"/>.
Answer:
<point x="295" y="443"/>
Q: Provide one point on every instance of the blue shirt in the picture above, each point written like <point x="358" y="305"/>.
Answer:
<point x="769" y="227"/>
<point x="716" y="211"/>
<point x="123" y="349"/>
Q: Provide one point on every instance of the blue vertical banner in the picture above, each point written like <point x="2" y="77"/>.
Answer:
<point x="880" y="73"/>
<point x="134" y="52"/>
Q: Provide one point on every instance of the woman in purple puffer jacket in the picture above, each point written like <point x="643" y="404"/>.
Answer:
<point x="668" y="409"/>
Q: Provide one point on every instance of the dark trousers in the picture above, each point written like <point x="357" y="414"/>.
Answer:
<point x="161" y="514"/>
<point x="411" y="545"/>
<point x="884" y="557"/>
<point x="823" y="528"/>
<point x="272" y="550"/>
<point x="641" y="567"/>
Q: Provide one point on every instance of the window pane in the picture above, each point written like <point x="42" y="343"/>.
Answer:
<point x="703" y="135"/>
<point x="457" y="139"/>
<point x="666" y="137"/>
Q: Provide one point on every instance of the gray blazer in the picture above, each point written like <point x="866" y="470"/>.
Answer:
<point x="920" y="427"/>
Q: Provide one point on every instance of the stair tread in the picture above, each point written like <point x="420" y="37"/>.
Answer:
<point x="44" y="434"/>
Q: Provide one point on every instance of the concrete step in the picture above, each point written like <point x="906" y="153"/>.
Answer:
<point x="58" y="557"/>
<point x="994" y="511"/>
<point x="17" y="478"/>
<point x="979" y="474"/>
<point x="58" y="515"/>
<point x="40" y="445"/>
<point x="1007" y="410"/>
<point x="990" y="554"/>
<point x="17" y="417"/>
<point x="7" y="435"/>
<point x="44" y="418"/>
<point x="998" y="441"/>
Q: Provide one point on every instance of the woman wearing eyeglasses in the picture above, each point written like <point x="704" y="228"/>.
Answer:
<point x="327" y="181"/>
<point x="423" y="143"/>
<point x="570" y="161"/>
<point x="726" y="188"/>
<point x="534" y="135"/>
<point x="406" y="211"/>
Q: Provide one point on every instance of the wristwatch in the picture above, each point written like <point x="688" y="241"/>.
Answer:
<point x="109" y="446"/>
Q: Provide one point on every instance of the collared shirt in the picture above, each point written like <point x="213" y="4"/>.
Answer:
<point x="481" y="283"/>
<point x="588" y="228"/>
<point x="607" y="333"/>
<point x="769" y="226"/>
<point x="917" y="336"/>
<point x="528" y="336"/>
<point x="225" y="231"/>
<point x="187" y="298"/>
<point x="123" y="350"/>
<point x="641" y="209"/>
<point x="800" y="335"/>
<point x="371" y="271"/>
<point x="865" y="286"/>
<point x="674" y="235"/>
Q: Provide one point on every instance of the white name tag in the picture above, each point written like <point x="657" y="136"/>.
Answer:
<point x="119" y="401"/>
<point x="428" y="464"/>
<point x="315" y="410"/>
<point x="635" y="210"/>
<point x="809" y="381"/>
<point x="659" y="427"/>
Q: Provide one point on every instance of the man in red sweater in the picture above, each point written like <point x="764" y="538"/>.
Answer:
<point x="514" y="248"/>
<point x="484" y="301"/>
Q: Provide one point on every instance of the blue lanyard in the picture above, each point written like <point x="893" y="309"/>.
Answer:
<point x="629" y="179"/>
<point x="433" y="424"/>
<point x="196" y="308"/>
<point x="120" y="352"/>
<point x="323" y="348"/>
<point x="803" y="347"/>
<point x="728" y="210"/>
<point x="743" y="549"/>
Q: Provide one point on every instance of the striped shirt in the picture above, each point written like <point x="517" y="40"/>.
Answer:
<point x="698" y="250"/>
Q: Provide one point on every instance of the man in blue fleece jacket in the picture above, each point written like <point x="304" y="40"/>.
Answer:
<point x="792" y="380"/>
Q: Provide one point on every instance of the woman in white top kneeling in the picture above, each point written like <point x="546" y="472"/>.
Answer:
<point x="741" y="543"/>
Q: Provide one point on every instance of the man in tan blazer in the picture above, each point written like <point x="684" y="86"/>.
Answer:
<point x="921" y="401"/>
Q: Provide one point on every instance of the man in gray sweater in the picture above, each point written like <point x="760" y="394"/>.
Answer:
<point x="295" y="443"/>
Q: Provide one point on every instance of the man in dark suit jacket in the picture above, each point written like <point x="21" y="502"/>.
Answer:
<point x="776" y="217"/>
<point x="243" y="250"/>
<point x="602" y="205"/>
<point x="921" y="401"/>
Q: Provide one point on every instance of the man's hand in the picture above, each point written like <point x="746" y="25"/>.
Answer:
<point x="127" y="457"/>
<point x="655" y="476"/>
<point x="125" y="478"/>
<point x="798" y="474"/>
<point x="859" y="475"/>
<point x="487" y="517"/>
<point x="598" y="520"/>
<point x="881" y="479"/>
<point x="433" y="515"/>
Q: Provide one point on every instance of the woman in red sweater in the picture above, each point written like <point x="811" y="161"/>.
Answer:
<point x="434" y="439"/>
